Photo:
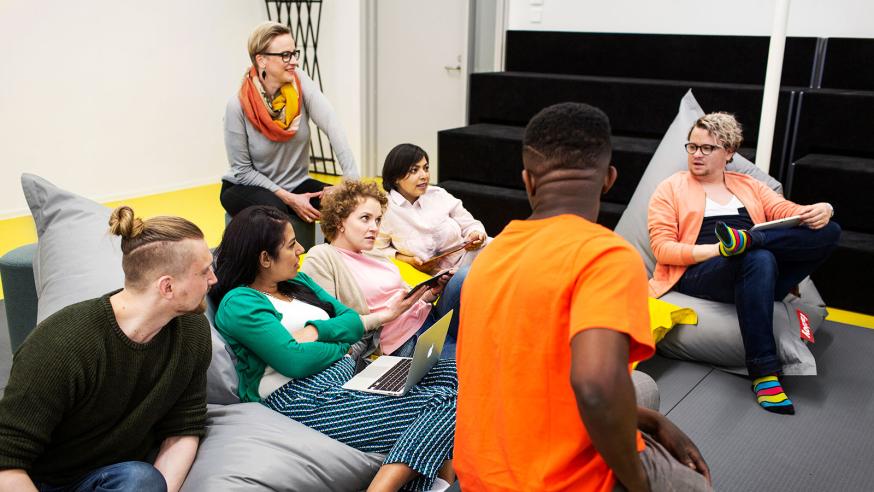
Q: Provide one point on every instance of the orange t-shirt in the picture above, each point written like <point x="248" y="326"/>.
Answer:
<point x="539" y="283"/>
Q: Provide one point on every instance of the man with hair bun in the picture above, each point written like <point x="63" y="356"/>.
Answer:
<point x="553" y="313"/>
<point x="101" y="386"/>
<point x="700" y="224"/>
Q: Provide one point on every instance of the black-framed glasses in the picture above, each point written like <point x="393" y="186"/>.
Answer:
<point x="706" y="149"/>
<point x="285" y="55"/>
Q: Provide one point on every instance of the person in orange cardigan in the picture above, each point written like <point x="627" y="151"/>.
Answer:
<point x="699" y="228"/>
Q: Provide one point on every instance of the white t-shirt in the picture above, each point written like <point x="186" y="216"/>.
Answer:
<point x="295" y="314"/>
<point x="713" y="209"/>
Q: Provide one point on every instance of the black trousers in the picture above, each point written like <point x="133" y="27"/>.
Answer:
<point x="236" y="197"/>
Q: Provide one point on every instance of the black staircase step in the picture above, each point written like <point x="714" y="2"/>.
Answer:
<point x="844" y="181"/>
<point x="482" y="153"/>
<point x="660" y="56"/>
<point x="610" y="214"/>
<point x="844" y="280"/>
<point x="495" y="206"/>
<point x="845" y="66"/>
<point x="631" y="155"/>
<point x="835" y="122"/>
<point x="491" y="154"/>
<point x="636" y="107"/>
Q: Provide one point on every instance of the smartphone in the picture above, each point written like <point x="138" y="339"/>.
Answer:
<point x="431" y="282"/>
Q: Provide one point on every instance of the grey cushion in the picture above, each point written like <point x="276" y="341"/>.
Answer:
<point x="646" y="390"/>
<point x="77" y="259"/>
<point x="250" y="447"/>
<point x="221" y="378"/>
<point x="716" y="339"/>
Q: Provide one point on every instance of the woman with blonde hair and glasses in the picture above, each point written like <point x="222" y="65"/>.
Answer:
<point x="267" y="134"/>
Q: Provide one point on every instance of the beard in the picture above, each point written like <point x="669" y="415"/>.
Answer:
<point x="200" y="308"/>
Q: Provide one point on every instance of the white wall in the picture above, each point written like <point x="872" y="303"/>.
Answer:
<point x="113" y="99"/>
<point x="816" y="18"/>
<point x="340" y="56"/>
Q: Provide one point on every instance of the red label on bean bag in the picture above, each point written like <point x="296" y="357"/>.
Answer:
<point x="804" y="326"/>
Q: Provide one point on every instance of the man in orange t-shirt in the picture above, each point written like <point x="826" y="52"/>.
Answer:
<point x="554" y="312"/>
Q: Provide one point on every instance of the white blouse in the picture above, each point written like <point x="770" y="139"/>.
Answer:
<point x="435" y="222"/>
<point x="295" y="314"/>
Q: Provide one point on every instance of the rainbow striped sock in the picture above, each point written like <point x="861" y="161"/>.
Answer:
<point x="771" y="397"/>
<point x="732" y="241"/>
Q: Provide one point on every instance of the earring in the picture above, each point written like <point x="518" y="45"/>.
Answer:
<point x="263" y="73"/>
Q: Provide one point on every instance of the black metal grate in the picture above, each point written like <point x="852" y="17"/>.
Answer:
<point x="304" y="18"/>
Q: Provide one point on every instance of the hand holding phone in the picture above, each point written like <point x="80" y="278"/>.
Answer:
<point x="430" y="283"/>
<point x="399" y="304"/>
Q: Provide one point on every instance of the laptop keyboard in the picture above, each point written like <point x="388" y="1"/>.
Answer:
<point x="395" y="378"/>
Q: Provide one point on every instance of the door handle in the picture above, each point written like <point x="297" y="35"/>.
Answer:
<point x="451" y="68"/>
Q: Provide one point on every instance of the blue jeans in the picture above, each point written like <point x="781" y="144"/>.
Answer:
<point x="129" y="475"/>
<point x="449" y="300"/>
<point x="779" y="260"/>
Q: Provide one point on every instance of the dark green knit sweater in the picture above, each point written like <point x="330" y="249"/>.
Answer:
<point x="82" y="395"/>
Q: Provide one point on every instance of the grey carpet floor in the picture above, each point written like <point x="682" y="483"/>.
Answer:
<point x="827" y="446"/>
<point x="676" y="379"/>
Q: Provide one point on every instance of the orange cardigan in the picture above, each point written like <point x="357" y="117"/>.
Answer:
<point x="676" y="211"/>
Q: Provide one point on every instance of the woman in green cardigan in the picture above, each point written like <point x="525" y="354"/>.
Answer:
<point x="291" y="341"/>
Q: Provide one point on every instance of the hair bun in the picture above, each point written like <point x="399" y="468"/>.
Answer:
<point x="122" y="222"/>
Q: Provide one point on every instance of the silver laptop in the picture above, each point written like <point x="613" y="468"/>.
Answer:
<point x="394" y="376"/>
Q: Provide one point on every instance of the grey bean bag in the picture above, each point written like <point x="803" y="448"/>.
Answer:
<point x="716" y="338"/>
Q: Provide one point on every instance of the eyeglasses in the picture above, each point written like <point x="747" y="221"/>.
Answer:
<point x="286" y="55"/>
<point x="706" y="149"/>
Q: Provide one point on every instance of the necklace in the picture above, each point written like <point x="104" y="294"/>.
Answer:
<point x="284" y="297"/>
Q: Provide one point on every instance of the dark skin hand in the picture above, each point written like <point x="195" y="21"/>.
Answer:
<point x="604" y="353"/>
<point x="606" y="401"/>
<point x="673" y="439"/>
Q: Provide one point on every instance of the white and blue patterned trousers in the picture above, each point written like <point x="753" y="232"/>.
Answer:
<point x="416" y="429"/>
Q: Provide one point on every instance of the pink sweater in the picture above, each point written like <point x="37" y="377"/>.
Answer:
<point x="380" y="281"/>
<point x="676" y="211"/>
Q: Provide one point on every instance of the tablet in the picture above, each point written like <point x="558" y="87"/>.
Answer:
<point x="793" y="221"/>
<point x="449" y="251"/>
<point x="431" y="282"/>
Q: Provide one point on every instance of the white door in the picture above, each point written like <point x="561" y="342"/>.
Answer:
<point x="421" y="73"/>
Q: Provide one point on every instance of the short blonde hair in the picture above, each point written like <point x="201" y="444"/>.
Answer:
<point x="341" y="201"/>
<point x="724" y="127"/>
<point x="262" y="36"/>
<point x="148" y="246"/>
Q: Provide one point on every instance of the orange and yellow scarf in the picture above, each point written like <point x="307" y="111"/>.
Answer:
<point x="279" y="119"/>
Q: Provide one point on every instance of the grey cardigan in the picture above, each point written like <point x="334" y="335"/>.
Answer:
<point x="257" y="161"/>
